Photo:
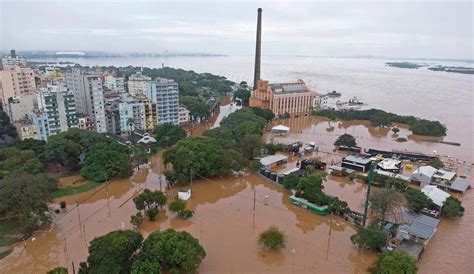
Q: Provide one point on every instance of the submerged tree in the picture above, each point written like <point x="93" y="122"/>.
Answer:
<point x="452" y="208"/>
<point x="272" y="238"/>
<point x="371" y="238"/>
<point x="417" y="200"/>
<point x="345" y="140"/>
<point x="394" y="262"/>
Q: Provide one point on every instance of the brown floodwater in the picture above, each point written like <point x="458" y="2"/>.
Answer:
<point x="227" y="225"/>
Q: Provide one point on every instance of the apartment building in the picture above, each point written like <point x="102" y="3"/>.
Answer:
<point x="138" y="84"/>
<point x="13" y="60"/>
<point x="164" y="93"/>
<point x="16" y="81"/>
<point x="20" y="106"/>
<point x="115" y="84"/>
<point x="89" y="95"/>
<point x="58" y="102"/>
<point x="40" y="120"/>
<point x="184" y="115"/>
<point x="26" y="129"/>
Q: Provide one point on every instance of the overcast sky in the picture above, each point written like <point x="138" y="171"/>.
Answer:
<point x="438" y="29"/>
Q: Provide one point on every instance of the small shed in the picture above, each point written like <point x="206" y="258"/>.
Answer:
<point x="271" y="160"/>
<point x="184" y="194"/>
<point x="389" y="165"/>
<point x="280" y="129"/>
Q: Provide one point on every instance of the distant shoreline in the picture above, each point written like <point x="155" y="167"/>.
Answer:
<point x="410" y="65"/>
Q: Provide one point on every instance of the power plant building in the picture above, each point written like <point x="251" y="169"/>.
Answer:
<point x="284" y="98"/>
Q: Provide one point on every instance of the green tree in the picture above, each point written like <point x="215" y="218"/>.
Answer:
<point x="201" y="157"/>
<point x="111" y="160"/>
<point x="13" y="159"/>
<point x="311" y="187"/>
<point x="371" y="238"/>
<point x="168" y="134"/>
<point x="272" y="238"/>
<point x="452" y="208"/>
<point x="385" y="201"/>
<point x="112" y="253"/>
<point x="272" y="148"/>
<point x="244" y="95"/>
<point x="26" y="195"/>
<point x="290" y="181"/>
<point x="149" y="201"/>
<point x="395" y="130"/>
<point x="338" y="207"/>
<point x="345" y="140"/>
<point x="417" y="200"/>
<point x="177" y="205"/>
<point x="250" y="145"/>
<point x="394" y="262"/>
<point x="136" y="220"/>
<point x="436" y="163"/>
<point x="177" y="250"/>
<point x="58" y="270"/>
<point x="146" y="266"/>
<point x="38" y="146"/>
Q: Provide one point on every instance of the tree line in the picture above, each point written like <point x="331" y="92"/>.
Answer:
<point x="380" y="118"/>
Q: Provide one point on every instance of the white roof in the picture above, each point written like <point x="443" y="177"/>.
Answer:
<point x="280" y="128"/>
<point x="437" y="195"/>
<point x="426" y="170"/>
<point x="268" y="160"/>
<point x="389" y="164"/>
<point x="444" y="174"/>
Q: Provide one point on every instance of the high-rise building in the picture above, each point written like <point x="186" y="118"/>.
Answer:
<point x="57" y="101"/>
<point x="40" y="120"/>
<point x="16" y="81"/>
<point x="126" y="113"/>
<point x="164" y="93"/>
<point x="20" y="106"/>
<point x="89" y="95"/>
<point x="13" y="60"/>
<point x="115" y="84"/>
<point x="138" y="84"/>
<point x="291" y="98"/>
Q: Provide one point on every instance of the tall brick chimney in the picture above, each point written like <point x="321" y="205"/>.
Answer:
<point x="256" y="75"/>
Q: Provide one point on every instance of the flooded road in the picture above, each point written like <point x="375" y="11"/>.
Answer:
<point x="227" y="225"/>
<point x="225" y="222"/>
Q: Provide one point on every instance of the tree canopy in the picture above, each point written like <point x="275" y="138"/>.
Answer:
<point x="112" y="253"/>
<point x="382" y="118"/>
<point x="168" y="134"/>
<point x="177" y="250"/>
<point x="346" y="140"/>
<point x="201" y="157"/>
<point x="25" y="196"/>
<point x="452" y="208"/>
<point x="394" y="262"/>
<point x="107" y="160"/>
<point x="272" y="238"/>
<point x="371" y="238"/>
<point x="417" y="200"/>
<point x="149" y="201"/>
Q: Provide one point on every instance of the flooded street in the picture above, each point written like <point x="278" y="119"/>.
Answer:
<point x="227" y="225"/>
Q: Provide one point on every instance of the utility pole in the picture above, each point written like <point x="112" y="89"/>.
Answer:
<point x="254" y="198"/>
<point x="371" y="173"/>
<point x="107" y="190"/>
<point x="191" y="181"/>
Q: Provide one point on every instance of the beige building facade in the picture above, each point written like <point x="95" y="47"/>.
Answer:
<point x="292" y="98"/>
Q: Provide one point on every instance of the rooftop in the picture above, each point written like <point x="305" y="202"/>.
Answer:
<point x="420" y="225"/>
<point x="357" y="159"/>
<point x="437" y="195"/>
<point x="268" y="160"/>
<point x="426" y="170"/>
<point x="460" y="185"/>
<point x="295" y="87"/>
<point x="389" y="164"/>
<point x="444" y="174"/>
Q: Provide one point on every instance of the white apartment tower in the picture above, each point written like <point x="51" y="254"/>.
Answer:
<point x="137" y="84"/>
<point x="89" y="95"/>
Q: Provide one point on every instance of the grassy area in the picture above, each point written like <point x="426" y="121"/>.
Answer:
<point x="74" y="190"/>
<point x="8" y="227"/>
